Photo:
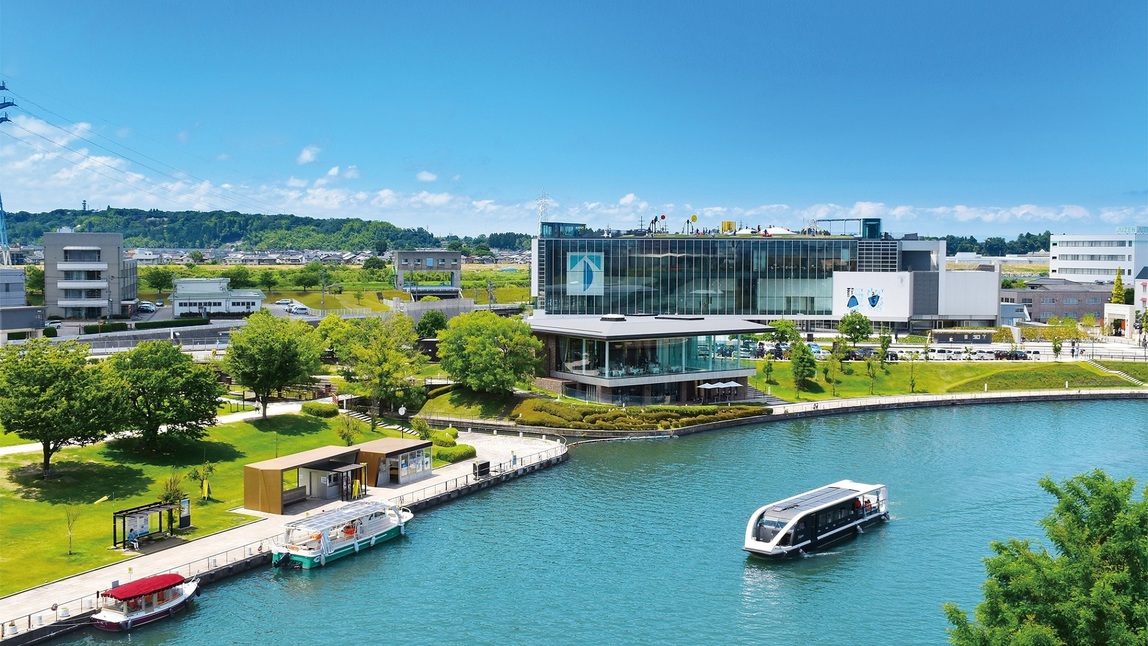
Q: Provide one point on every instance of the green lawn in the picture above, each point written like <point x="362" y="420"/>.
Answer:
<point x="33" y="530"/>
<point x="1135" y="369"/>
<point x="460" y="402"/>
<point x="941" y="377"/>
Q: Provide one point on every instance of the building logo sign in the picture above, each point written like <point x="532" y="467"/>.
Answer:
<point x="865" y="300"/>
<point x="584" y="274"/>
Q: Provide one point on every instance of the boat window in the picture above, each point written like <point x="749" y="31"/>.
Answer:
<point x="775" y="523"/>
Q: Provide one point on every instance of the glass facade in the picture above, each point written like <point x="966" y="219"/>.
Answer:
<point x="662" y="356"/>
<point x="691" y="275"/>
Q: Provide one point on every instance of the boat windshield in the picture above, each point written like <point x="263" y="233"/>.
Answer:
<point x="766" y="521"/>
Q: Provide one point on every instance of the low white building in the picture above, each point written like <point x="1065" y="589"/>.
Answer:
<point x="207" y="296"/>
<point x="1094" y="258"/>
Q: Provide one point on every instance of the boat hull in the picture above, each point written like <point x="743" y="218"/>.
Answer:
<point x="309" y="560"/>
<point x="820" y="542"/>
<point x="115" y="622"/>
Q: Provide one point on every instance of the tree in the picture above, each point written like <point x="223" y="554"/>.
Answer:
<point x="51" y="395"/>
<point x="270" y="353"/>
<point x="420" y="428"/>
<point x="871" y="370"/>
<point x="912" y="357"/>
<point x="240" y="277"/>
<point x="488" y="353"/>
<point x="33" y="279"/>
<point x="836" y="364"/>
<point x="1057" y="345"/>
<point x="1088" y="320"/>
<point x="768" y="368"/>
<point x="348" y="429"/>
<point x="309" y="276"/>
<point x="196" y="256"/>
<point x="431" y="323"/>
<point x="167" y="390"/>
<point x="785" y="332"/>
<point x="1118" y="287"/>
<point x="71" y="515"/>
<point x="172" y="494"/>
<point x="886" y="340"/>
<point x="159" y="278"/>
<point x="856" y="327"/>
<point x="803" y="364"/>
<point x="1092" y="589"/>
<point x="202" y="475"/>
<point x="374" y="262"/>
<point x="267" y="279"/>
<point x="384" y="360"/>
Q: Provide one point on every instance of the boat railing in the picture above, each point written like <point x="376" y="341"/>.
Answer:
<point x="76" y="611"/>
<point x="515" y="463"/>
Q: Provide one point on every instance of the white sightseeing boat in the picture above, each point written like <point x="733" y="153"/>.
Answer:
<point x="816" y="518"/>
<point x="313" y="541"/>
<point x="144" y="601"/>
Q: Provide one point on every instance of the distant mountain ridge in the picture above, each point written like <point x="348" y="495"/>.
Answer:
<point x="215" y="229"/>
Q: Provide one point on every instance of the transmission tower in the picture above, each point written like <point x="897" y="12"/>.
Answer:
<point x="543" y="204"/>
<point x="5" y="253"/>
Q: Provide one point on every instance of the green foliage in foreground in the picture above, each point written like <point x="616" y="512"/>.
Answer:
<point x="32" y="506"/>
<point x="1092" y="589"/>
<point x="552" y="414"/>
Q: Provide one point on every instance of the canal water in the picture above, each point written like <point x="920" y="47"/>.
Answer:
<point x="640" y="542"/>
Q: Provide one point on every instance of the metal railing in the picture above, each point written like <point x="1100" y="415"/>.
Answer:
<point x="65" y="613"/>
<point x="454" y="484"/>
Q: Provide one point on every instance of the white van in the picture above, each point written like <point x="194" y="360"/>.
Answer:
<point x="301" y="309"/>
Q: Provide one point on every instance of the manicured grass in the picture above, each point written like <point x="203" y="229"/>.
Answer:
<point x="1134" y="369"/>
<point x="940" y="377"/>
<point x="456" y="401"/>
<point x="34" y="530"/>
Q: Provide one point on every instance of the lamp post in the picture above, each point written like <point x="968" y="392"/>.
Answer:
<point x="402" y="413"/>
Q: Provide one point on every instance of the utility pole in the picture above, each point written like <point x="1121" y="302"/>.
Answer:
<point x="5" y="252"/>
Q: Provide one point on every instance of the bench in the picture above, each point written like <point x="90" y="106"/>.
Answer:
<point x="297" y="494"/>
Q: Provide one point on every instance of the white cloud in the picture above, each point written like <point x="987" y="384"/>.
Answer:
<point x="352" y="172"/>
<point x="295" y="182"/>
<point x="334" y="172"/>
<point x="308" y="155"/>
<point x="426" y="176"/>
<point x="430" y="199"/>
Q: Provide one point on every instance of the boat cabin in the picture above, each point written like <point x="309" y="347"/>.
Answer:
<point x="815" y="518"/>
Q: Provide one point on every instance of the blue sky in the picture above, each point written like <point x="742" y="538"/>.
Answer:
<point x="971" y="118"/>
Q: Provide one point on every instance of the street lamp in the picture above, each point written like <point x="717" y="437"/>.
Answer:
<point x="402" y="413"/>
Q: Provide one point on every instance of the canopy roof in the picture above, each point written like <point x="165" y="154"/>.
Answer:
<point x="146" y="585"/>
<point x="341" y="516"/>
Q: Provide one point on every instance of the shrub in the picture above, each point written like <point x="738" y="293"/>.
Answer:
<point x="319" y="409"/>
<point x="455" y="453"/>
<point x="439" y="438"/>
<point x="49" y="332"/>
<point x="452" y="431"/>
<point x="106" y="327"/>
<point x="148" y="325"/>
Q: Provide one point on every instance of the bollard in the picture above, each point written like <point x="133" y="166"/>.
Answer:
<point x="64" y="612"/>
<point x="11" y="629"/>
<point x="214" y="562"/>
<point x="986" y="388"/>
<point x="248" y="551"/>
<point x="39" y="620"/>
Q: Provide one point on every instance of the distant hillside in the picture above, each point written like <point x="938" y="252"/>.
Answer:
<point x="211" y="230"/>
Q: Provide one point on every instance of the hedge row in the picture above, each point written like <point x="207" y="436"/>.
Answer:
<point x="96" y="328"/>
<point x="438" y="438"/>
<point x="536" y="412"/>
<point x="455" y="453"/>
<point x="148" y="325"/>
<point x="319" y="409"/>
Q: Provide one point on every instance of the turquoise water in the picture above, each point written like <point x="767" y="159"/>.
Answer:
<point x="640" y="542"/>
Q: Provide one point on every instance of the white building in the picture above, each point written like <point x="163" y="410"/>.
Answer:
<point x="1092" y="258"/>
<point x="207" y="296"/>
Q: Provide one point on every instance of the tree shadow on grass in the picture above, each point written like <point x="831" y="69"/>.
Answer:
<point x="75" y="482"/>
<point x="173" y="453"/>
<point x="290" y="425"/>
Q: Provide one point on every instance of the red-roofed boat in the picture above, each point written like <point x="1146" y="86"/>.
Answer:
<point x="144" y="601"/>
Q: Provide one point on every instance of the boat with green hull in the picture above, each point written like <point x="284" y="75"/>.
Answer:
<point x="314" y="541"/>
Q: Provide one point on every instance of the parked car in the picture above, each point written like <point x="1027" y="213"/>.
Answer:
<point x="159" y="303"/>
<point x="283" y="301"/>
<point x="301" y="309"/>
<point x="54" y="324"/>
<point x="821" y="355"/>
<point x="146" y="309"/>
<point x="142" y="303"/>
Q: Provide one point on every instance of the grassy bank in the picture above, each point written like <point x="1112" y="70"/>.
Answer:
<point x="34" y="528"/>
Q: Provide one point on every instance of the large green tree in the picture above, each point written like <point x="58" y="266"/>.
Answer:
<point x="159" y="278"/>
<point x="1092" y="589"/>
<point x="167" y="392"/>
<point x="856" y="327"/>
<point x="488" y="353"/>
<point x="385" y="360"/>
<point x="430" y="324"/>
<point x="271" y="353"/>
<point x="34" y="279"/>
<point x="50" y="394"/>
<point x="804" y="365"/>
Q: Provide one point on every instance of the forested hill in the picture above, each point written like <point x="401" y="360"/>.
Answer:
<point x="212" y="230"/>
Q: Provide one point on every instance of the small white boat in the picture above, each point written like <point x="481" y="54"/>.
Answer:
<point x="816" y="518"/>
<point x="144" y="601"/>
<point x="312" y="542"/>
